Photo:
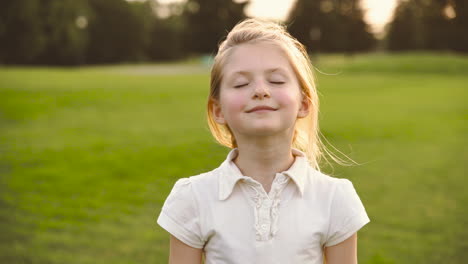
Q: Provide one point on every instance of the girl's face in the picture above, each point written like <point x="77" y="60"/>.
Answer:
<point x="259" y="93"/>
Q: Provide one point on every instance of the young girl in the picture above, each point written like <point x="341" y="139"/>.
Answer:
<point x="267" y="202"/>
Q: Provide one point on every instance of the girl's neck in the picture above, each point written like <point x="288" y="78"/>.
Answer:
<point x="262" y="159"/>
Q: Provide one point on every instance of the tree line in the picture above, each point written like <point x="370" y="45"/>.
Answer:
<point x="76" y="32"/>
<point x="429" y="25"/>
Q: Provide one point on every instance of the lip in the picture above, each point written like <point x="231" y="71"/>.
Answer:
<point x="261" y="108"/>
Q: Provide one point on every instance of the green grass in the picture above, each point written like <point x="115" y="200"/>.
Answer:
<point x="88" y="156"/>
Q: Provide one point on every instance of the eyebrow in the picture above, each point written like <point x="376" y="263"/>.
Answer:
<point x="267" y="71"/>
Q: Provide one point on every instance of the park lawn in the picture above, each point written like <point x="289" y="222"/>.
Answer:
<point x="88" y="156"/>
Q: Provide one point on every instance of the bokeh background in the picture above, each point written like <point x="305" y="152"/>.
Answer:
<point x="102" y="109"/>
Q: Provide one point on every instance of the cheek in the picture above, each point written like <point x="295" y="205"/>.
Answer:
<point x="233" y="102"/>
<point x="288" y="98"/>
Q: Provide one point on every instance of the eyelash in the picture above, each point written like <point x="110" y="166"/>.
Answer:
<point x="242" y="85"/>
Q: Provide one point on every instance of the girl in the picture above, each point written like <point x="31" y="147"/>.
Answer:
<point x="267" y="202"/>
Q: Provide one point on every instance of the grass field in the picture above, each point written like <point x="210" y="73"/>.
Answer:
<point x="88" y="155"/>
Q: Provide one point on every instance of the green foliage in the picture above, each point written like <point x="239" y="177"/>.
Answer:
<point x="166" y="39"/>
<point x="119" y="31"/>
<point x="207" y="21"/>
<point x="33" y="31"/>
<point x="88" y="155"/>
<point x="21" y="33"/>
<point x="66" y="42"/>
<point x="330" y="26"/>
<point x="429" y="25"/>
<point x="75" y="32"/>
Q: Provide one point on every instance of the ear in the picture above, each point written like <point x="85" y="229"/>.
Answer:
<point x="217" y="112"/>
<point x="304" y="107"/>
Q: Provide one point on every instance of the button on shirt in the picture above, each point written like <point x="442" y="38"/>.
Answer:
<point x="234" y="220"/>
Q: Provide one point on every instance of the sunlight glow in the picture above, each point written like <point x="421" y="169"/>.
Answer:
<point x="377" y="12"/>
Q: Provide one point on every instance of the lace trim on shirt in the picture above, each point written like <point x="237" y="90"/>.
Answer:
<point x="266" y="208"/>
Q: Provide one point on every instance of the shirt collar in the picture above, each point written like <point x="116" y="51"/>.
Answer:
<point x="230" y="173"/>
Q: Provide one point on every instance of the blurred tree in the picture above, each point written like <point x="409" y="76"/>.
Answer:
<point x="406" y="22"/>
<point x="119" y="31"/>
<point x="42" y="31"/>
<point x="429" y="25"/>
<point x="330" y="26"/>
<point x="460" y="24"/>
<point x="207" y="21"/>
<point x="64" y="25"/>
<point x="166" y="35"/>
<point x="22" y="36"/>
<point x="306" y="23"/>
<point x="437" y="26"/>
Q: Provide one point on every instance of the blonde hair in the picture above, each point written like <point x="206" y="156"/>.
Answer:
<point x="306" y="134"/>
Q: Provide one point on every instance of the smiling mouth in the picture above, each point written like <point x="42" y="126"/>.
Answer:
<point x="261" y="109"/>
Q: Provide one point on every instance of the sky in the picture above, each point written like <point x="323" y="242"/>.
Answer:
<point x="377" y="12"/>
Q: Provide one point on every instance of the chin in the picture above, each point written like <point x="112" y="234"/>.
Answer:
<point x="265" y="131"/>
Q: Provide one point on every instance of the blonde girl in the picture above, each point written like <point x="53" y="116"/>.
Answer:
<point x="267" y="202"/>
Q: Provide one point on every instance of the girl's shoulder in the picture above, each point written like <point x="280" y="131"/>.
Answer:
<point x="203" y="180"/>
<point x="199" y="184"/>
<point x="345" y="210"/>
<point x="323" y="178"/>
<point x="339" y="193"/>
<point x="325" y="183"/>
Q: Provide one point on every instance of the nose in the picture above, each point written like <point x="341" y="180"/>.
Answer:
<point x="261" y="91"/>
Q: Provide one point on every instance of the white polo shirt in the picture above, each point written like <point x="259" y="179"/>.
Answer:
<point x="234" y="220"/>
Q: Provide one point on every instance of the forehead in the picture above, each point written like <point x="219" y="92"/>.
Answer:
<point x="256" y="58"/>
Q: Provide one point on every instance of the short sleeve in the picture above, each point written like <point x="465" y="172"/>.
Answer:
<point x="347" y="214"/>
<point x="180" y="216"/>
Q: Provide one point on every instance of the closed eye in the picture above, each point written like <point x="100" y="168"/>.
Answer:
<point x="240" y="85"/>
<point x="277" y="82"/>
